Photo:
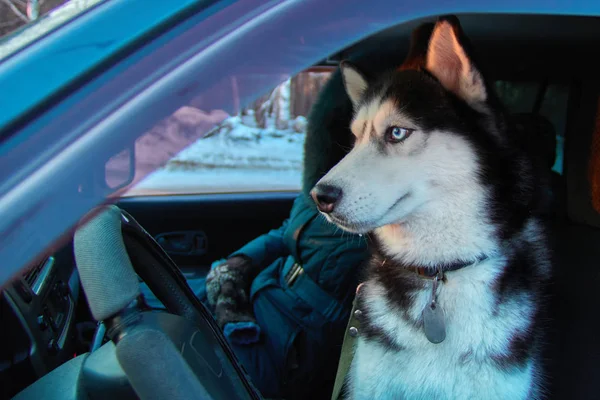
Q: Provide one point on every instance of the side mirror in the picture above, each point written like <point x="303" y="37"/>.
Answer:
<point x="119" y="170"/>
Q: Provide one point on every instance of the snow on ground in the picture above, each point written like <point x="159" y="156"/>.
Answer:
<point x="238" y="146"/>
<point x="217" y="181"/>
<point x="235" y="156"/>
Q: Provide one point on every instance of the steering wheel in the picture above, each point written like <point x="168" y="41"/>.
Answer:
<point x="177" y="354"/>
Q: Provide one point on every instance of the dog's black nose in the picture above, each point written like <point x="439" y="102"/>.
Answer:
<point x="326" y="197"/>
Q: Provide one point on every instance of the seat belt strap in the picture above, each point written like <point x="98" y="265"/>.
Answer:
<point x="347" y="354"/>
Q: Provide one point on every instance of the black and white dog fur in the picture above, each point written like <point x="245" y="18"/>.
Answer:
<point x="437" y="177"/>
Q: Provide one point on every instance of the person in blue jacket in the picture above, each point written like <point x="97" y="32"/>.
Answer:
<point x="283" y="299"/>
<point x="300" y="280"/>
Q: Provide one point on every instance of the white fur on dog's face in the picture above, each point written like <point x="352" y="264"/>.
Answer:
<point x="422" y="197"/>
<point x="385" y="183"/>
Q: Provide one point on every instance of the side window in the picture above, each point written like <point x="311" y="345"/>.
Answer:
<point x="258" y="150"/>
<point x="521" y="97"/>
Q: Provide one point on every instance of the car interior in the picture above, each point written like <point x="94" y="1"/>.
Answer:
<point x="544" y="68"/>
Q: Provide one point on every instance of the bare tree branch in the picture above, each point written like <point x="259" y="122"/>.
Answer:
<point x="13" y="22"/>
<point x="17" y="12"/>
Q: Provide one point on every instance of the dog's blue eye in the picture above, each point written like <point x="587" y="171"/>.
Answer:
<point x="397" y="134"/>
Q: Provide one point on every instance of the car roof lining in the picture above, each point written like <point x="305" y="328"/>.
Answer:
<point x="509" y="46"/>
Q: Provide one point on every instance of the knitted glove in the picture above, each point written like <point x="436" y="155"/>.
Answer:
<point x="227" y="291"/>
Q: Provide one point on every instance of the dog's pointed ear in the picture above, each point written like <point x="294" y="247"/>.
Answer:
<point x="448" y="61"/>
<point x="354" y="81"/>
<point x="419" y="42"/>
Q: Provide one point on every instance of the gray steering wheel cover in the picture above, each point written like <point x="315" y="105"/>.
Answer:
<point x="107" y="276"/>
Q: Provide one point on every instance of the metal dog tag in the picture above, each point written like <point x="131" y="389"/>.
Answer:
<point x="434" y="323"/>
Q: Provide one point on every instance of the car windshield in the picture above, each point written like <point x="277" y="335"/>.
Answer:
<point x="24" y="21"/>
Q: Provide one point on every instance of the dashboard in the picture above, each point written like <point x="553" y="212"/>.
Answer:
<point x="37" y="315"/>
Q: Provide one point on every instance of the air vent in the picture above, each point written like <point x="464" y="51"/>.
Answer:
<point x="32" y="275"/>
<point x="38" y="276"/>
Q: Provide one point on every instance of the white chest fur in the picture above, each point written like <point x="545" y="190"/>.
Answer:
<point x="463" y="366"/>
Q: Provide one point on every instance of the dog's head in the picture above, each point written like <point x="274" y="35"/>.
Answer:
<point x="420" y="134"/>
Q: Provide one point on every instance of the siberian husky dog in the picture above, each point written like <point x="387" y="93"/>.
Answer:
<point x="452" y="304"/>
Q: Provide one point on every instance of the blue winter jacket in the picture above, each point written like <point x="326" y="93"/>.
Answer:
<point x="306" y="308"/>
